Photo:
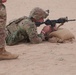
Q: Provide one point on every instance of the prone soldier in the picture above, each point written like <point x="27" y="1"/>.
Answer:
<point x="25" y="28"/>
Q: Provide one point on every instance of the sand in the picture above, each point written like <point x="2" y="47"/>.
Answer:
<point x="45" y="58"/>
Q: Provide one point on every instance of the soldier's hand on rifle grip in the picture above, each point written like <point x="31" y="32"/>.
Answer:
<point x="46" y="29"/>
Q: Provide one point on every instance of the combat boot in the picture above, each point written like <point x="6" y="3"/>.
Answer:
<point x="4" y="55"/>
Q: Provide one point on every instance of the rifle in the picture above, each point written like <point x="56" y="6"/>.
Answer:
<point x="53" y="22"/>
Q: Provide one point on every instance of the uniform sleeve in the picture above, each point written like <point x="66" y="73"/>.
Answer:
<point x="31" y="31"/>
<point x="2" y="26"/>
<point x="3" y="17"/>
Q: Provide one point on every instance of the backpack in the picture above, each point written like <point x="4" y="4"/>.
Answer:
<point x="14" y="25"/>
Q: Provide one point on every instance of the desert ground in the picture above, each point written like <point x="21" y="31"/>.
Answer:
<point x="45" y="58"/>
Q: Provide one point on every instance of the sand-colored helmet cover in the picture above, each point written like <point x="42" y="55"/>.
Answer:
<point x="38" y="13"/>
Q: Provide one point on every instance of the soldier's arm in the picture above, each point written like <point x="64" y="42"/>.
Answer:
<point x="31" y="31"/>
<point x="3" y="14"/>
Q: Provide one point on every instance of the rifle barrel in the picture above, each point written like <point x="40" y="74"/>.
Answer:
<point x="72" y="20"/>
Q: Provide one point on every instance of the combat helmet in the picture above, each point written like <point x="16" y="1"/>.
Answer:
<point x="38" y="13"/>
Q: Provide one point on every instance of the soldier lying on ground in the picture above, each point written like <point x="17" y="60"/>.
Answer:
<point x="25" y="28"/>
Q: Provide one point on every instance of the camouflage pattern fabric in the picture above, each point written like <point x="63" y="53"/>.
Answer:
<point x="22" y="29"/>
<point x="38" y="13"/>
<point x="2" y="25"/>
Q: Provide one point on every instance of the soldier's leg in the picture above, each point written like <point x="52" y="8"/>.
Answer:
<point x="14" y="38"/>
<point x="4" y="55"/>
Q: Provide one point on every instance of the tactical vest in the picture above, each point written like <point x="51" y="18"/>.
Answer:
<point x="14" y="25"/>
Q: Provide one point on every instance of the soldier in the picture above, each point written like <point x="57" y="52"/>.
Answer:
<point x="25" y="28"/>
<point x="4" y="55"/>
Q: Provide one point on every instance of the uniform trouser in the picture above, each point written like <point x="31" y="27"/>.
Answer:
<point x="15" y="37"/>
<point x="2" y="37"/>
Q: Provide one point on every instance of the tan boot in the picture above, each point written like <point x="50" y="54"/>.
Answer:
<point x="4" y="55"/>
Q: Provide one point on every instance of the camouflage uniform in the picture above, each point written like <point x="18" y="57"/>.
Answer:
<point x="2" y="25"/>
<point x="25" y="29"/>
<point x="4" y="55"/>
